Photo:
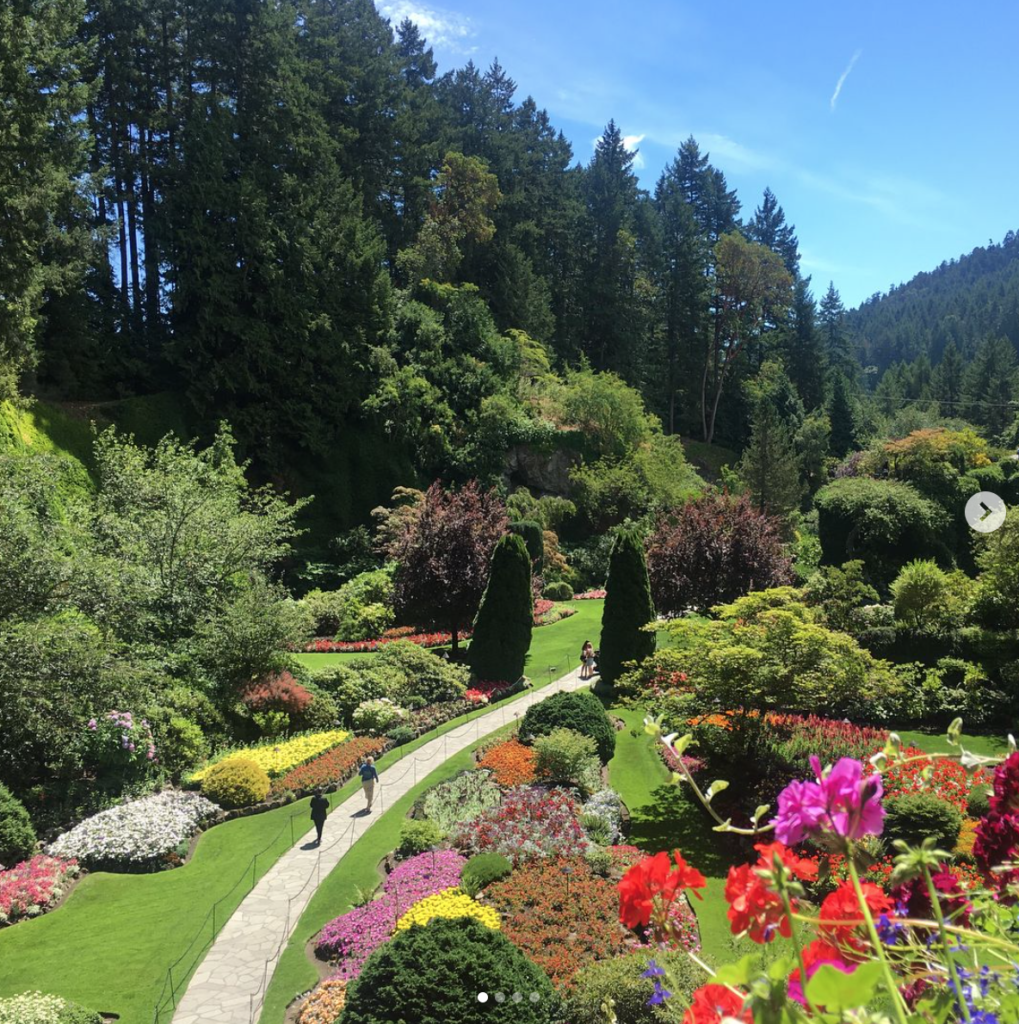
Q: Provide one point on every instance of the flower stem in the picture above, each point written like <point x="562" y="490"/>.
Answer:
<point x="943" y="935"/>
<point x="795" y="935"/>
<point x="893" y="989"/>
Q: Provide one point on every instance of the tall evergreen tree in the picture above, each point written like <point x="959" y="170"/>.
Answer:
<point x="628" y="607"/>
<point x="947" y="383"/>
<point x="842" y="414"/>
<point x="802" y="347"/>
<point x="44" y="234"/>
<point x="990" y="384"/>
<point x="502" y="629"/>
<point x="770" y="466"/>
<point x="768" y="228"/>
<point x="832" y="319"/>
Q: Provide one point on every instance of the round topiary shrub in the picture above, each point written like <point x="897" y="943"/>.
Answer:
<point x="236" y="782"/>
<point x="620" y="979"/>
<point x="582" y="712"/>
<point x="433" y="974"/>
<point x="914" y="817"/>
<point x="560" y="590"/>
<point x="979" y="803"/>
<point x="17" y="837"/>
<point x="484" y="869"/>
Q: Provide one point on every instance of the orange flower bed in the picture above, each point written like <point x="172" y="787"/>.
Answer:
<point x="512" y="763"/>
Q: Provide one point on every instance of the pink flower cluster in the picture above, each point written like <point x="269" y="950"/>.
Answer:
<point x="323" y="645"/>
<point x="486" y="690"/>
<point x="29" y="888"/>
<point x="354" y="936"/>
<point x="530" y="822"/>
<point x="130" y="732"/>
<point x="590" y="595"/>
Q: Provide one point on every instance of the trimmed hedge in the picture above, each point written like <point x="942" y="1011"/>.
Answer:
<point x="916" y="816"/>
<point x="17" y="836"/>
<point x="236" y="782"/>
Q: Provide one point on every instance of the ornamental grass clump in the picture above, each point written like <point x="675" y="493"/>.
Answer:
<point x="450" y="903"/>
<point x="135" y="835"/>
<point x="33" y="886"/>
<point x="529" y="823"/>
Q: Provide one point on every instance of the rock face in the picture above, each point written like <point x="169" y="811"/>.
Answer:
<point x="540" y="472"/>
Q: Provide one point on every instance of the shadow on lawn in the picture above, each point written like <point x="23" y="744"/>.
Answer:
<point x="672" y="821"/>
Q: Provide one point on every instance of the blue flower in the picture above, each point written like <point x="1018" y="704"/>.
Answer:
<point x="653" y="971"/>
<point x="661" y="994"/>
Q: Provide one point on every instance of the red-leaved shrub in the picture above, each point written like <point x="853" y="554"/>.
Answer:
<point x="280" y="692"/>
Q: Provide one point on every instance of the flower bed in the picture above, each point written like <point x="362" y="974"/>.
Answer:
<point x="512" y="763"/>
<point x="448" y="903"/>
<point x="34" y="886"/>
<point x="529" y="823"/>
<point x="460" y="798"/>
<point x="323" y="645"/>
<point x="590" y="595"/>
<point x="547" y="612"/>
<point x="145" y="834"/>
<point x="276" y="758"/>
<point x="332" y="768"/>
<point x="323" y="1006"/>
<point x="354" y="936"/>
<point x="948" y="780"/>
<point x="560" y="915"/>
<point x="37" y="1008"/>
<point x="485" y="691"/>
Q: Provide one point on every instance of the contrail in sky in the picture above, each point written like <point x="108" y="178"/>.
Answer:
<point x="843" y="77"/>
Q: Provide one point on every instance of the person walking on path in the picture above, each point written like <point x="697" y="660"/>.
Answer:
<point x="587" y="660"/>
<point x="369" y="776"/>
<point x="319" y="810"/>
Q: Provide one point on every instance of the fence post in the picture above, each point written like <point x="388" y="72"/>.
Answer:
<point x="292" y="829"/>
<point x="173" y="990"/>
<point x="214" y="921"/>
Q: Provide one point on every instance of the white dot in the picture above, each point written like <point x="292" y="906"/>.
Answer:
<point x="500" y="997"/>
<point x="482" y="997"/>
<point x="518" y="997"/>
<point x="534" y="997"/>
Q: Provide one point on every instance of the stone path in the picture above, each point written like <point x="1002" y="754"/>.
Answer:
<point x="229" y="985"/>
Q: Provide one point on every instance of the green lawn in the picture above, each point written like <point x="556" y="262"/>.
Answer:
<point x="110" y="945"/>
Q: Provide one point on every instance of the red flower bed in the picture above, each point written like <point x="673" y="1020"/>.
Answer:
<point x="323" y="645"/>
<point x="31" y="887"/>
<point x="332" y="768"/>
<point x="512" y="763"/>
<point x="487" y="690"/>
<point x="948" y="781"/>
<point x="560" y="922"/>
<point x="590" y="595"/>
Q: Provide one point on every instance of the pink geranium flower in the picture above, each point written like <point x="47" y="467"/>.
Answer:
<point x="844" y="802"/>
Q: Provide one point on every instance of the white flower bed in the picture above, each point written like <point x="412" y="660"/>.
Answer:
<point x="36" y="1008"/>
<point x="136" y="833"/>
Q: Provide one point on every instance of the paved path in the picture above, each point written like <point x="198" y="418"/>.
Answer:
<point x="229" y="985"/>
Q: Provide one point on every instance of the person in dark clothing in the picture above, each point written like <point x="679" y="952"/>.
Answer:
<point x="319" y="810"/>
<point x="369" y="776"/>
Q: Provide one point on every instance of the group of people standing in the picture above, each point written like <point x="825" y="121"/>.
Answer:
<point x="320" y="805"/>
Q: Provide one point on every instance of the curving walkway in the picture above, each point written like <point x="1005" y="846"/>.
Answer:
<point x="230" y="983"/>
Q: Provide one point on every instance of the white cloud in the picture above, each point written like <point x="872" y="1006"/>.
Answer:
<point x="632" y="142"/>
<point x="843" y="77"/>
<point x="441" y="27"/>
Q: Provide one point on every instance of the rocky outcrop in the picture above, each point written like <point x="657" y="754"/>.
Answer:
<point x="541" y="472"/>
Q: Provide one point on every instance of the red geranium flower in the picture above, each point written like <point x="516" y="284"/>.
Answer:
<point x="842" y="916"/>
<point x="654" y="877"/>
<point x="1006" y="786"/>
<point x="753" y="906"/>
<point x="712" y="1003"/>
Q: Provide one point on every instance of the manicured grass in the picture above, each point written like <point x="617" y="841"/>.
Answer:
<point x="708" y="459"/>
<point x="358" y="869"/>
<point x="937" y="743"/>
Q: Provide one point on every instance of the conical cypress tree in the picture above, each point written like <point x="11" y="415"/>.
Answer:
<point x="628" y="607"/>
<point x="502" y="629"/>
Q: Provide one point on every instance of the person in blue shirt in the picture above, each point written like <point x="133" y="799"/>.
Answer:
<point x="369" y="776"/>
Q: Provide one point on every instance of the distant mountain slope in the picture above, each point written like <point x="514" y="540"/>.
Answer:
<point x="967" y="300"/>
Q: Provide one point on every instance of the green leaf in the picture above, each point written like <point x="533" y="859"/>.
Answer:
<point x="832" y="989"/>
<point x="739" y="973"/>
<point x="781" y="968"/>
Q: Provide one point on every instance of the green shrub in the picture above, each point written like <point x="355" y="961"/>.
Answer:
<point x="597" y="828"/>
<point x="599" y="860"/>
<point x="376" y="716"/>
<point x="409" y="979"/>
<point x="483" y="869"/>
<point x="360" y="610"/>
<point x="628" y="608"/>
<point x="560" y="590"/>
<point x="580" y="711"/>
<point x="928" y="599"/>
<point x="17" y="837"/>
<point x="979" y="803"/>
<point x="353" y="684"/>
<point x="567" y="758"/>
<point x="416" y="670"/>
<point x="418" y="836"/>
<point x="916" y="816"/>
<point x="236" y="782"/>
<point x="620" y="979"/>
<point x="325" y="607"/>
<point x="502" y="628"/>
<point x="462" y="798"/>
<point x="181" y="745"/>
<point x="885" y="523"/>
<point x="401" y="734"/>
<point x="534" y="540"/>
<point x="322" y="714"/>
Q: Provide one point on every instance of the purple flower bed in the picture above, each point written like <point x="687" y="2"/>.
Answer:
<point x="354" y="936"/>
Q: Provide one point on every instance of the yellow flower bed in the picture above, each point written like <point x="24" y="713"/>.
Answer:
<point x="278" y="758"/>
<point x="448" y="903"/>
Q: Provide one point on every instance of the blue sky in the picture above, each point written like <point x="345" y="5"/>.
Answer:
<point x="910" y="161"/>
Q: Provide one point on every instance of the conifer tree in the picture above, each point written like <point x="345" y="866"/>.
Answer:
<point x="947" y="382"/>
<point x="832" y="318"/>
<point x="770" y="466"/>
<point x="802" y="347"/>
<point x="769" y="228"/>
<point x="502" y="629"/>
<point x="842" y="414"/>
<point x="628" y="607"/>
